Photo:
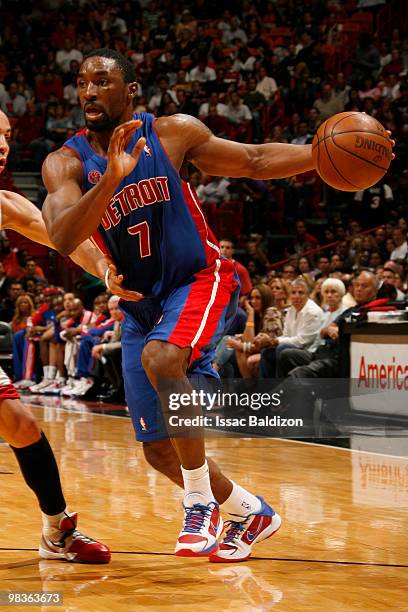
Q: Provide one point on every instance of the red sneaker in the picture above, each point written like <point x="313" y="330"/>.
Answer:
<point x="71" y="545"/>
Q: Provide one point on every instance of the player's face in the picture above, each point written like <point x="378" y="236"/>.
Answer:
<point x="5" y="133"/>
<point x="103" y="94"/>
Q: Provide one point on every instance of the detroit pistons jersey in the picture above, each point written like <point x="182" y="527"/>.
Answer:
<point x="153" y="226"/>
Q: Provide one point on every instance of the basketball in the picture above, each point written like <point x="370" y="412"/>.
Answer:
<point x="351" y="151"/>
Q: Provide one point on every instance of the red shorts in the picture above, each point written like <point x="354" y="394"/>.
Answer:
<point x="8" y="392"/>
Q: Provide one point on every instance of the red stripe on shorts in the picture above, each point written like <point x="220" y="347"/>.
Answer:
<point x="209" y="295"/>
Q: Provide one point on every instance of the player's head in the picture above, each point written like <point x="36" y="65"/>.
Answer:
<point x="5" y="133"/>
<point x="106" y="88"/>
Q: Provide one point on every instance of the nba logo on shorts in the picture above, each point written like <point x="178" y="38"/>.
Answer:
<point x="143" y="424"/>
<point x="94" y="176"/>
<point x="147" y="150"/>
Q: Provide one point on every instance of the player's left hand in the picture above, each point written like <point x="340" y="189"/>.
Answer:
<point x="114" y="280"/>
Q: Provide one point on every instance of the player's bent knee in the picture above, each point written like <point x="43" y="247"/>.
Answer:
<point x="18" y="425"/>
<point x="161" y="360"/>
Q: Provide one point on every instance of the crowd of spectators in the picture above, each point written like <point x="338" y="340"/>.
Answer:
<point x="257" y="72"/>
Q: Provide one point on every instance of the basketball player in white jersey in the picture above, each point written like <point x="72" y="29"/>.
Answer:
<point x="60" y="538"/>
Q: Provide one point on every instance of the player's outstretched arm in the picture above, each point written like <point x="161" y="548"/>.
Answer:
<point x="20" y="215"/>
<point x="219" y="157"/>
<point x="71" y="216"/>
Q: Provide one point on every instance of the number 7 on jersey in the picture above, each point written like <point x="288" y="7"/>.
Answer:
<point x="144" y="237"/>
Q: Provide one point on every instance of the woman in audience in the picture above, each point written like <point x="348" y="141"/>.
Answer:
<point x="280" y="294"/>
<point x="262" y="318"/>
<point x="24" y="309"/>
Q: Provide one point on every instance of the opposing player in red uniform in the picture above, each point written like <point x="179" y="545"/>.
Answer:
<point x="60" y="537"/>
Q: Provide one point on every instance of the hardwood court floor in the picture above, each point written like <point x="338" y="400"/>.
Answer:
<point x="342" y="545"/>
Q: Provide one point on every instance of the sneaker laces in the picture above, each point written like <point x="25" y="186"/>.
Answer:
<point x="77" y="535"/>
<point x="234" y="528"/>
<point x="195" y="517"/>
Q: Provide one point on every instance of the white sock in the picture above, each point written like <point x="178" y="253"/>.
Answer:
<point x="241" y="502"/>
<point x="60" y="378"/>
<point x="52" y="370"/>
<point x="46" y="375"/>
<point x="197" y="487"/>
<point x="51" y="522"/>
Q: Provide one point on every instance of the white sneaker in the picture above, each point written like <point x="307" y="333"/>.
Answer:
<point x="84" y="384"/>
<point x="201" y="529"/>
<point x="54" y="388"/>
<point x="67" y="389"/>
<point x="236" y="545"/>
<point x="41" y="385"/>
<point x="23" y="384"/>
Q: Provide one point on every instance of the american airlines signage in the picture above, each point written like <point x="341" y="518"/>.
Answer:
<point x="379" y="373"/>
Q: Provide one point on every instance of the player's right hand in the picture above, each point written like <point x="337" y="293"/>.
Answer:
<point x="121" y="163"/>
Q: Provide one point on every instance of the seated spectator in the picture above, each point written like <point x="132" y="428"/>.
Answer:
<point x="255" y="101"/>
<point x="8" y="304"/>
<point x="262" y="320"/>
<point x="401" y="246"/>
<point x="26" y="342"/>
<point x="65" y="56"/>
<point x="280" y="294"/>
<point x="47" y="86"/>
<point x="52" y="350"/>
<point x="58" y="124"/>
<point x="302" y="323"/>
<point x="213" y="102"/>
<point x="32" y="269"/>
<point x="239" y="117"/>
<point x="14" y="104"/>
<point x="98" y="334"/>
<point x="303" y="136"/>
<point x="390" y="277"/>
<point x="24" y="309"/>
<point x="328" y="104"/>
<point x="202" y="72"/>
<point x="266" y="85"/>
<point x="303" y="240"/>
<point x="79" y="321"/>
<point x="333" y="291"/>
<point x="227" y="251"/>
<point x="156" y="99"/>
<point x="289" y="272"/>
<point x="297" y="392"/>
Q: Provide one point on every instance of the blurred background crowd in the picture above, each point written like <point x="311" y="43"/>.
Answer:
<point x="254" y="72"/>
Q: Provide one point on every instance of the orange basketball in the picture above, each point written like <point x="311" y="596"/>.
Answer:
<point x="351" y="151"/>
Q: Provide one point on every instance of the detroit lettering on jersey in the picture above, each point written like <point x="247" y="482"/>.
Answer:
<point x="153" y="227"/>
<point x="136" y="195"/>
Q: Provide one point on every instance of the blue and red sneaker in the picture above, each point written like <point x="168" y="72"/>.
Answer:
<point x="240" y="536"/>
<point x="201" y="530"/>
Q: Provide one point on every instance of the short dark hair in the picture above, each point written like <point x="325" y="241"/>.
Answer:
<point x="126" y="67"/>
